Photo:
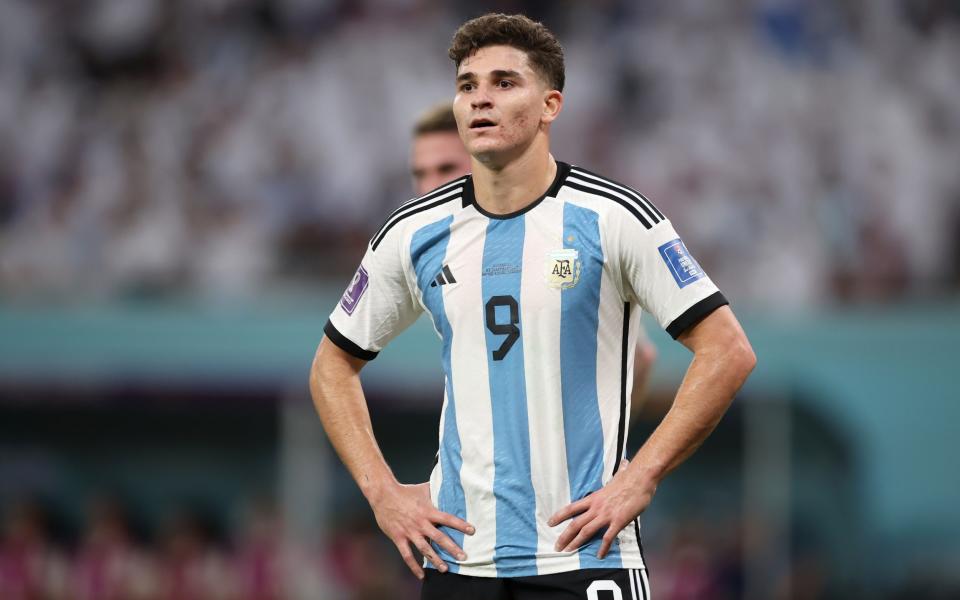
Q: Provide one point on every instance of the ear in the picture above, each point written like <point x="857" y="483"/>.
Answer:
<point x="552" y="105"/>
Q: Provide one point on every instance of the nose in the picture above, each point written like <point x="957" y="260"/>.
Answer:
<point x="481" y="99"/>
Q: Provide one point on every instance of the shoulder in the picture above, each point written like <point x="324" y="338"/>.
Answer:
<point x="609" y="195"/>
<point x="434" y="204"/>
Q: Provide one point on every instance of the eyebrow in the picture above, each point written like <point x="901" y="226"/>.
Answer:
<point x="500" y="73"/>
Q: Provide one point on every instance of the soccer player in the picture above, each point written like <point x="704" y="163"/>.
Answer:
<point x="437" y="155"/>
<point x="534" y="273"/>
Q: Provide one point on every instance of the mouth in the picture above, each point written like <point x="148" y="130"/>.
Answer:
<point x="478" y="124"/>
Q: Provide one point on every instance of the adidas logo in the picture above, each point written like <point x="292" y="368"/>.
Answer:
<point x="444" y="277"/>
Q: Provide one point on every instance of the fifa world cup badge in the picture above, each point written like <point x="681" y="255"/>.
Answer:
<point x="562" y="268"/>
<point x="358" y="286"/>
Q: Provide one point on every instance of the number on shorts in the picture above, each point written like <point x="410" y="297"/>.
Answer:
<point x="604" y="585"/>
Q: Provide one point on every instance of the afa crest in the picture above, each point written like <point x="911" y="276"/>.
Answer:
<point x="562" y="268"/>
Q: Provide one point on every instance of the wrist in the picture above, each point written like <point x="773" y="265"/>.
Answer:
<point x="374" y="489"/>
<point x="645" y="476"/>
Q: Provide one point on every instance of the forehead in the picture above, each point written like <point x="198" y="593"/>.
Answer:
<point x="495" y="58"/>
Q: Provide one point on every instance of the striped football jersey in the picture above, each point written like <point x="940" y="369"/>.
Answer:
<point x="538" y="313"/>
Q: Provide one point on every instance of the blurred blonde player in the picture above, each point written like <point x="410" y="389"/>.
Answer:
<point x="436" y="153"/>
<point x="437" y="156"/>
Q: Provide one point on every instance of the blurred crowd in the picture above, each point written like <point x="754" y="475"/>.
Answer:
<point x="191" y="555"/>
<point x="806" y="149"/>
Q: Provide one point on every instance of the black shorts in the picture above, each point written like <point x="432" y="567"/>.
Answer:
<point x="585" y="584"/>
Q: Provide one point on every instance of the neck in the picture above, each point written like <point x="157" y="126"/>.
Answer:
<point x="508" y="188"/>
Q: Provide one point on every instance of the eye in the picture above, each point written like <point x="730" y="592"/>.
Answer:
<point x="504" y="84"/>
<point x="466" y="87"/>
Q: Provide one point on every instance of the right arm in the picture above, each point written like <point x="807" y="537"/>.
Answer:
<point x="405" y="513"/>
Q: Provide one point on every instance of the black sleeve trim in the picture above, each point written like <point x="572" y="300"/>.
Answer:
<point x="695" y="313"/>
<point x="346" y="345"/>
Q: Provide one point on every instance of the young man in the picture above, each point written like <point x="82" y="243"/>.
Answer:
<point x="534" y="273"/>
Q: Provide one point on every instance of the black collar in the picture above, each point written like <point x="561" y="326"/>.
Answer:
<point x="563" y="169"/>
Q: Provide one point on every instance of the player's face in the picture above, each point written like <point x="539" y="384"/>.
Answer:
<point x="436" y="158"/>
<point x="501" y="103"/>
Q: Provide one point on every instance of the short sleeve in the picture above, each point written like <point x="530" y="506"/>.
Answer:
<point x="377" y="305"/>
<point x="658" y="272"/>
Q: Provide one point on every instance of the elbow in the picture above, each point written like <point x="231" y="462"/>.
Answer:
<point x="736" y="354"/>
<point x="745" y="358"/>
<point x="648" y="353"/>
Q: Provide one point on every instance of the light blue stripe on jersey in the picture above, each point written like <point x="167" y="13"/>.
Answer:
<point x="428" y="250"/>
<point x="580" y="319"/>
<point x="516" y="545"/>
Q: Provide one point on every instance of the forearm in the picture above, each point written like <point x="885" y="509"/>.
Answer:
<point x="405" y="513"/>
<point x="341" y="405"/>
<point x="722" y="361"/>
<point x="719" y="368"/>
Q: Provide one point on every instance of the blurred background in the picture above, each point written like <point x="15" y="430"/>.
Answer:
<point x="186" y="187"/>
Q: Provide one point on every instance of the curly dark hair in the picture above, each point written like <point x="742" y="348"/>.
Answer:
<point x="517" y="31"/>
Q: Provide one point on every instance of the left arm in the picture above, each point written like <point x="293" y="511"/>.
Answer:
<point x="722" y="360"/>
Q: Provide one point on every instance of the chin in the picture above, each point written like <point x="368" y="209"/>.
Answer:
<point x="483" y="145"/>
<point x="487" y="153"/>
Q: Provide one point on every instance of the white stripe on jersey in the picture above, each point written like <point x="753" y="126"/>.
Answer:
<point x="548" y="459"/>
<point x="630" y="545"/>
<point x="609" y="359"/>
<point x="474" y="419"/>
